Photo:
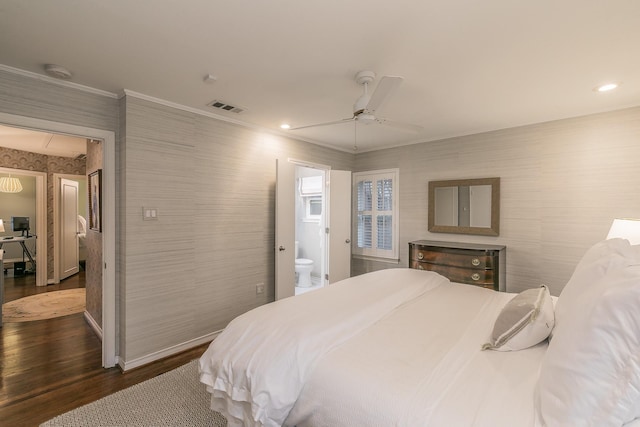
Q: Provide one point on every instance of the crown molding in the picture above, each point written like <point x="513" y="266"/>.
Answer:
<point x="138" y="95"/>
<point x="58" y="82"/>
<point x="127" y="92"/>
<point x="133" y="94"/>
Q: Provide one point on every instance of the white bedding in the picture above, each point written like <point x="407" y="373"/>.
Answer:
<point x="423" y="366"/>
<point x="398" y="347"/>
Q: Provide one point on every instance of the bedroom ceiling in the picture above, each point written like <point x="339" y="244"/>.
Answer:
<point x="468" y="66"/>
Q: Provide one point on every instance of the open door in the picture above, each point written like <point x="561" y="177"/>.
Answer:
<point x="339" y="225"/>
<point x="339" y="191"/>
<point x="69" y="254"/>
<point x="285" y="280"/>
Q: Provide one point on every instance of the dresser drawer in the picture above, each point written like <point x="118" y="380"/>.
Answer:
<point x="479" y="261"/>
<point x="470" y="276"/>
<point x="470" y="263"/>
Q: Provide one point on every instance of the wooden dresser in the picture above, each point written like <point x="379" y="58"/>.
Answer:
<point x="470" y="263"/>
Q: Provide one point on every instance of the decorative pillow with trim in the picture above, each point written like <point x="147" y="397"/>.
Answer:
<point x="525" y="321"/>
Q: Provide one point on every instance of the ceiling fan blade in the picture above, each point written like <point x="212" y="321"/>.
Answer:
<point x="387" y="85"/>
<point x="324" y="124"/>
<point x="408" y="127"/>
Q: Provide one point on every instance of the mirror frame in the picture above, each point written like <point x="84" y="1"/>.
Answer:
<point x="494" y="230"/>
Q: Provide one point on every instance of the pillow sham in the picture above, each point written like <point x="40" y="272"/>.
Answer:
<point x="590" y="374"/>
<point x="525" y="321"/>
<point x="604" y="256"/>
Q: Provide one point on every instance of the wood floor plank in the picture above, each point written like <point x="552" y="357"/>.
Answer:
<point x="49" y="367"/>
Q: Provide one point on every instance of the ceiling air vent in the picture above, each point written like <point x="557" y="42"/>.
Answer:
<point x="221" y="105"/>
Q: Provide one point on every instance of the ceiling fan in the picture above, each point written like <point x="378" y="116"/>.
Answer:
<point x="367" y="104"/>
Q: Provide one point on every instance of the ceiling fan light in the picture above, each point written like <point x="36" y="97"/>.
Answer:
<point x="10" y="185"/>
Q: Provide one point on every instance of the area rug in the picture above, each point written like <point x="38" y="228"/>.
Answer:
<point x="46" y="305"/>
<point x="176" y="398"/>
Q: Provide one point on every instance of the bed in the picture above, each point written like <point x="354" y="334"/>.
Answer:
<point x="404" y="347"/>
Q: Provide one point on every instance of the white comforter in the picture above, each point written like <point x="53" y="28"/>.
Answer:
<point x="397" y="347"/>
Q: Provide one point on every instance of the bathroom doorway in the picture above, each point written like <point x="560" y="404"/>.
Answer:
<point x="310" y="226"/>
<point x="326" y="240"/>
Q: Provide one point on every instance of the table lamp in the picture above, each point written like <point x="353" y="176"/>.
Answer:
<point x="625" y="228"/>
<point x="1" y="226"/>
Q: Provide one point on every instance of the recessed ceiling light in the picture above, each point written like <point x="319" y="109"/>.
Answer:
<point x="285" y="126"/>
<point x="606" y="87"/>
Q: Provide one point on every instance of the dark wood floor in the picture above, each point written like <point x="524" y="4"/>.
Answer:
<point x="49" y="367"/>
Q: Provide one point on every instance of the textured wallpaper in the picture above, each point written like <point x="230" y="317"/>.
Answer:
<point x="94" y="245"/>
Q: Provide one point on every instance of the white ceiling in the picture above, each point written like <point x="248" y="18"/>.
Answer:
<point x="468" y="66"/>
<point x="42" y="143"/>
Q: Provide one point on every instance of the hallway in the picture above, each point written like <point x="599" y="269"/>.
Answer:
<point x="24" y="286"/>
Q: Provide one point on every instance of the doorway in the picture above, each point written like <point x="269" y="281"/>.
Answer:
<point x="31" y="204"/>
<point x="310" y="225"/>
<point x="108" y="329"/>
<point x="332" y="213"/>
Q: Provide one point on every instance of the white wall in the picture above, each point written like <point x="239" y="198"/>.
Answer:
<point x="562" y="183"/>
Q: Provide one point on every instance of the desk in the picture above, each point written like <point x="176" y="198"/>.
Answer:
<point x="21" y="240"/>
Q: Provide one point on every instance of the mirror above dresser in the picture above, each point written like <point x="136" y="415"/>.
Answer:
<point x="465" y="206"/>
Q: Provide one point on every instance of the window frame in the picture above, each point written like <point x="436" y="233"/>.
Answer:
<point x="374" y="252"/>
<point x="308" y="216"/>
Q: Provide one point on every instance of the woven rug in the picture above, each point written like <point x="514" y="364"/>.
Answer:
<point x="176" y="398"/>
<point x="46" y="305"/>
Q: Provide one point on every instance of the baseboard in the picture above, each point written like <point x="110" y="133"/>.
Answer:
<point x="135" y="363"/>
<point x="94" y="325"/>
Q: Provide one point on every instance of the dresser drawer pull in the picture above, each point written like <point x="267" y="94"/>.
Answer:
<point x="420" y="255"/>
<point x="475" y="262"/>
<point x="420" y="267"/>
<point x="475" y="276"/>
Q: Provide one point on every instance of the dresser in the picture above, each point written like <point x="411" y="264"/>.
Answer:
<point x="470" y="263"/>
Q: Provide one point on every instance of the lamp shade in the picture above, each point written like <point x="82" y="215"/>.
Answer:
<point x="1" y="226"/>
<point x="625" y="228"/>
<point x="10" y="185"/>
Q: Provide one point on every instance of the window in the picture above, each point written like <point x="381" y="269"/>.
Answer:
<point x="376" y="216"/>
<point x="313" y="208"/>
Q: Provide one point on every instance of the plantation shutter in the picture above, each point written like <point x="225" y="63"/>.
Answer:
<point x="375" y="228"/>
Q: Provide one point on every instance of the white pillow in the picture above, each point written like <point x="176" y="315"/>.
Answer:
<point x="526" y="320"/>
<point x="604" y="256"/>
<point x="590" y="374"/>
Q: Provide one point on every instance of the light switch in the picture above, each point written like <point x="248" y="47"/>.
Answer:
<point x="149" y="214"/>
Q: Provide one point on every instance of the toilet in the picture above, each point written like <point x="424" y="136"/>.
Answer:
<point x="304" y="267"/>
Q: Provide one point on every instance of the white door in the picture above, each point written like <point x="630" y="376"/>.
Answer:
<point x="69" y="263"/>
<point x="339" y="190"/>
<point x="285" y="284"/>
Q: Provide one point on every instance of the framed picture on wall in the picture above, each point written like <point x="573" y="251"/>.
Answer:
<point x="95" y="200"/>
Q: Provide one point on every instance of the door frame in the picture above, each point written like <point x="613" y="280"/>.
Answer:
<point x="109" y="307"/>
<point x="325" y="203"/>
<point x="57" y="177"/>
<point x="41" y="220"/>
<point x="325" y="256"/>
